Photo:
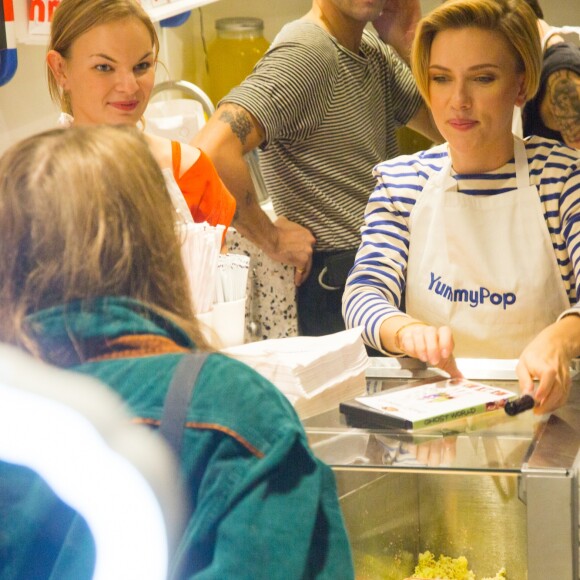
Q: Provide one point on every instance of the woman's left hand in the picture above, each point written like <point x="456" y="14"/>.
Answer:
<point x="547" y="359"/>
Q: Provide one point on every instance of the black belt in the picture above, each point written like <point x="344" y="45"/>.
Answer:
<point x="334" y="267"/>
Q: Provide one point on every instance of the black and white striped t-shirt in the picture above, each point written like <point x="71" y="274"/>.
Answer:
<point x="329" y="116"/>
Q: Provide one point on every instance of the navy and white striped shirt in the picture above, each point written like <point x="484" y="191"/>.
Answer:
<point x="374" y="286"/>
<point x="329" y="116"/>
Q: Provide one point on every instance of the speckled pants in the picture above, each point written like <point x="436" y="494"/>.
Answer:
<point x="271" y="305"/>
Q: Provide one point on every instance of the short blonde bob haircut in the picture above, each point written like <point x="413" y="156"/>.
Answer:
<point x="512" y="18"/>
<point x="73" y="18"/>
<point x="85" y="213"/>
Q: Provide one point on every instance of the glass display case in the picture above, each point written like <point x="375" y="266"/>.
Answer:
<point x="501" y="491"/>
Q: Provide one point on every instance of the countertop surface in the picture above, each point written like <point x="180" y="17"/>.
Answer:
<point x="490" y="442"/>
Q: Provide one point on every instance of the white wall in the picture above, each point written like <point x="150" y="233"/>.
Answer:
<point x="183" y="47"/>
<point x="24" y="103"/>
<point x="25" y="107"/>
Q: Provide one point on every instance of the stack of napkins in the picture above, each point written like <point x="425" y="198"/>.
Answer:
<point x="316" y="373"/>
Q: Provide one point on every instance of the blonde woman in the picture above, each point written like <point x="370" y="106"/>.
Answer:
<point x="91" y="280"/>
<point x="481" y="233"/>
<point x="101" y="69"/>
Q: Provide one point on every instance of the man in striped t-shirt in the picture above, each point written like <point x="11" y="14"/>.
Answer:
<point x="323" y="105"/>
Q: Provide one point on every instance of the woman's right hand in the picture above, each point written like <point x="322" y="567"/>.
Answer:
<point x="430" y="344"/>
<point x="547" y="360"/>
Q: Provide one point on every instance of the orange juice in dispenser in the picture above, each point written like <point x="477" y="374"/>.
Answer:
<point x="238" y="46"/>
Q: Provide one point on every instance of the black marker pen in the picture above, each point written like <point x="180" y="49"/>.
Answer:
<point x="519" y="405"/>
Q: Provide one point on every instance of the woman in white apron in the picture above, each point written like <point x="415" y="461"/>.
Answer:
<point x="481" y="234"/>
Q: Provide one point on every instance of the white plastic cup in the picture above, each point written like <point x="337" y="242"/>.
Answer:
<point x="228" y="322"/>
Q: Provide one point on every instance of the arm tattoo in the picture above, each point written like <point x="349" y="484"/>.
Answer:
<point x="239" y="122"/>
<point x="564" y="98"/>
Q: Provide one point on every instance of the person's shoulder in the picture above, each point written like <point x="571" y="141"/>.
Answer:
<point x="561" y="56"/>
<point x="371" y="41"/>
<point x="302" y="61"/>
<point x="544" y="152"/>
<point x="378" y="52"/>
<point x="161" y="149"/>
<point x="306" y="44"/>
<point x="235" y="395"/>
<point x="430" y="160"/>
<point x="193" y="157"/>
<point x="563" y="50"/>
<point x="304" y="34"/>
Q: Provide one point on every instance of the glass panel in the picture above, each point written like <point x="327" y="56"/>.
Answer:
<point x="490" y="442"/>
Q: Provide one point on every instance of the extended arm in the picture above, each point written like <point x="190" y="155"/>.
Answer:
<point x="396" y="26"/>
<point x="423" y="123"/>
<point x="397" y="23"/>
<point x="548" y="356"/>
<point x="228" y="135"/>
<point x="560" y="108"/>
<point x="374" y="287"/>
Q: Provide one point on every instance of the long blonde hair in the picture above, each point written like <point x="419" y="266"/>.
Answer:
<point x="512" y="18"/>
<point x="85" y="213"/>
<point x="73" y="18"/>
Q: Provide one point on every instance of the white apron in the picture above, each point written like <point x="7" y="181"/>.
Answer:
<point x="483" y="265"/>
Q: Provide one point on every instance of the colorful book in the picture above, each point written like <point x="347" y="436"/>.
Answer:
<point x="425" y="405"/>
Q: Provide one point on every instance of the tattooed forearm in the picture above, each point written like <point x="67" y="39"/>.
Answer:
<point x="239" y="122"/>
<point x="564" y="98"/>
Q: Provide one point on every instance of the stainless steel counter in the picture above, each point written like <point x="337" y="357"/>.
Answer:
<point x="500" y="490"/>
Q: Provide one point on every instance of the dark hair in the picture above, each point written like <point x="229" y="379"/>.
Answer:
<point x="535" y="6"/>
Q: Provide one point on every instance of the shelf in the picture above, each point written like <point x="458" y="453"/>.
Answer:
<point x="169" y="9"/>
<point x="158" y="11"/>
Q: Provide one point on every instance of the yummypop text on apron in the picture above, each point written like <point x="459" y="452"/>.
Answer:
<point x="475" y="297"/>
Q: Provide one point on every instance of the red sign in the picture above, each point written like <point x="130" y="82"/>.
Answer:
<point x="40" y="15"/>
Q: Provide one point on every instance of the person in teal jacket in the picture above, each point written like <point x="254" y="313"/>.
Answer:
<point x="91" y="280"/>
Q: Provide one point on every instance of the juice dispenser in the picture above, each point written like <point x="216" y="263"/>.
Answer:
<point x="239" y="44"/>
